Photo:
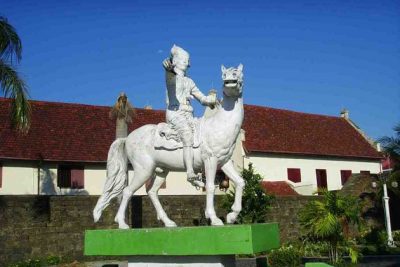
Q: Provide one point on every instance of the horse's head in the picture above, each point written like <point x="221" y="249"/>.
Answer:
<point x="233" y="80"/>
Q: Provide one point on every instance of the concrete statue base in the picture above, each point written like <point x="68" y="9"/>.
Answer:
<point x="181" y="261"/>
<point x="183" y="246"/>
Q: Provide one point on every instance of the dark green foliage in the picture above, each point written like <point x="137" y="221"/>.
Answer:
<point x="49" y="261"/>
<point x="329" y="219"/>
<point x="314" y="249"/>
<point x="285" y="256"/>
<point x="255" y="202"/>
<point x="10" y="82"/>
<point x="391" y="147"/>
<point x="28" y="263"/>
<point x="53" y="260"/>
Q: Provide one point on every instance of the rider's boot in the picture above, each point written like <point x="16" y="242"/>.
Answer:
<point x="188" y="159"/>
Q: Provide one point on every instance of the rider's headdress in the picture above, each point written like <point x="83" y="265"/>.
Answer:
<point x="178" y="51"/>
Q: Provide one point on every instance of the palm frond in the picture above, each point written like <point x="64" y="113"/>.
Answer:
<point x="10" y="43"/>
<point x="122" y="109"/>
<point x="397" y="130"/>
<point x="327" y="226"/>
<point x="15" y="88"/>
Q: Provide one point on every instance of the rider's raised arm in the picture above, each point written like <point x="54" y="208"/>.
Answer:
<point x="204" y="100"/>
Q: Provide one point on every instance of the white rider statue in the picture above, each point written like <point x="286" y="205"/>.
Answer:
<point x="180" y="90"/>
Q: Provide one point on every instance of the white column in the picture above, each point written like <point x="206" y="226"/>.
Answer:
<point x="387" y="216"/>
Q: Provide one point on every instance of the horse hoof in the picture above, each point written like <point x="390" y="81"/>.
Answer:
<point x="216" y="222"/>
<point x="231" y="217"/>
<point x="123" y="225"/>
<point x="96" y="216"/>
<point x="170" y="224"/>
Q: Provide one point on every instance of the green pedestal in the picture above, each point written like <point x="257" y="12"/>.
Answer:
<point x="183" y="241"/>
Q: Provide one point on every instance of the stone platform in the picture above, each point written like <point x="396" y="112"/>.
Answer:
<point x="186" y="246"/>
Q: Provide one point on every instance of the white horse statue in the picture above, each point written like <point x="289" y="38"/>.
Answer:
<point x="217" y="136"/>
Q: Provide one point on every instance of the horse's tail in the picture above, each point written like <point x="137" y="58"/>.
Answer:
<point x="116" y="181"/>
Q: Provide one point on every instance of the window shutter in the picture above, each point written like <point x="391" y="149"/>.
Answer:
<point x="1" y="175"/>
<point x="77" y="178"/>
<point x="345" y="175"/>
<point x="294" y="175"/>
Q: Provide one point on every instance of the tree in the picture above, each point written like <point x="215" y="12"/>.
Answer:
<point x="10" y="82"/>
<point x="329" y="219"/>
<point x="391" y="148"/>
<point x="255" y="201"/>
<point x="123" y="112"/>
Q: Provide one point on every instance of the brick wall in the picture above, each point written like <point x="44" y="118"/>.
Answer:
<point x="38" y="226"/>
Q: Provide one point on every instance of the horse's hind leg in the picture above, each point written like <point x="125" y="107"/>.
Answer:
<point x="153" y="194"/>
<point x="140" y="176"/>
<point x="230" y="171"/>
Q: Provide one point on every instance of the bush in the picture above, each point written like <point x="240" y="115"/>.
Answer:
<point x="53" y="260"/>
<point x="396" y="236"/>
<point x="255" y="202"/>
<point x="50" y="260"/>
<point x="285" y="256"/>
<point x="315" y="249"/>
<point x="28" y="263"/>
<point x="329" y="219"/>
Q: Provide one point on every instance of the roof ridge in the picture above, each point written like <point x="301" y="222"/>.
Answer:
<point x="293" y="111"/>
<point x="73" y="104"/>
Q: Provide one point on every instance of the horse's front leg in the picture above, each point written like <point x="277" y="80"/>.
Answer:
<point x="238" y="181"/>
<point x="210" y="165"/>
<point x="153" y="194"/>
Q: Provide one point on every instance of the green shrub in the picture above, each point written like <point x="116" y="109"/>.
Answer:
<point x="50" y="260"/>
<point x="27" y="263"/>
<point x="255" y="202"/>
<point x="396" y="236"/>
<point x="53" y="260"/>
<point x="315" y="249"/>
<point x="285" y="256"/>
<point x="329" y="219"/>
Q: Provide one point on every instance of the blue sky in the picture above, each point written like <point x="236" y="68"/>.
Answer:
<point x="309" y="56"/>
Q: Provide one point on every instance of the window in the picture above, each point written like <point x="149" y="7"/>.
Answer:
<point x="321" y="179"/>
<point x="294" y="175"/>
<point x="70" y="177"/>
<point x="345" y="175"/>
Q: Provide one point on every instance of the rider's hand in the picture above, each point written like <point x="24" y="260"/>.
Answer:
<point x="212" y="99"/>
<point x="167" y="64"/>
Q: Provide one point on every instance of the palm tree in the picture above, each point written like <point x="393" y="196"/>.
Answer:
<point x="123" y="112"/>
<point x="10" y="82"/>
<point x="391" y="146"/>
<point x="328" y="219"/>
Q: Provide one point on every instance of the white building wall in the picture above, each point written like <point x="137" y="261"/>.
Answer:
<point x="274" y="168"/>
<point x="94" y="177"/>
<point x="22" y="179"/>
<point x="19" y="178"/>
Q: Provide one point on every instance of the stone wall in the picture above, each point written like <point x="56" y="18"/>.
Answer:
<point x="39" y="226"/>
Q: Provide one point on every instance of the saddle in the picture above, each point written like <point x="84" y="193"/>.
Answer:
<point x="168" y="138"/>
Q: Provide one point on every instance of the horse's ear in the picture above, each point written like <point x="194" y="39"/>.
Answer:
<point x="223" y="69"/>
<point x="240" y="67"/>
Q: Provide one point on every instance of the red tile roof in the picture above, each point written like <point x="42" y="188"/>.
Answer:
<point x="65" y="132"/>
<point x="77" y="132"/>
<point x="283" y="131"/>
<point x="280" y="188"/>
